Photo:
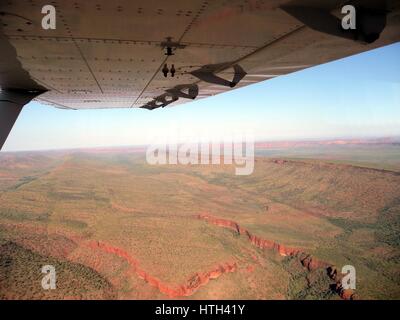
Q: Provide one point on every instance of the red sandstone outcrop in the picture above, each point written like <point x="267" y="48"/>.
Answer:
<point x="308" y="261"/>
<point x="201" y="278"/>
<point x="122" y="208"/>
<point x="188" y="288"/>
<point x="255" y="240"/>
<point x="279" y="161"/>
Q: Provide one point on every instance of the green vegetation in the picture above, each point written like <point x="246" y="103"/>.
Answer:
<point x="58" y="207"/>
<point x="23" y="181"/>
<point x="16" y="215"/>
<point x="74" y="224"/>
<point x="20" y="277"/>
<point x="307" y="285"/>
<point x="388" y="224"/>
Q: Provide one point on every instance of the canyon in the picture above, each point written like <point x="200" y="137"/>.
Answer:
<point x="307" y="261"/>
<point x="117" y="228"/>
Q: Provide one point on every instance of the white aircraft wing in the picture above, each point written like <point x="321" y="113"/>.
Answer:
<point x="155" y="53"/>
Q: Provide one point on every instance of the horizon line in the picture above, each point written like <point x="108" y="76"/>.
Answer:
<point x="333" y="141"/>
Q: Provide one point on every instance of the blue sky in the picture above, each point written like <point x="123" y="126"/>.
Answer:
<point x="353" y="97"/>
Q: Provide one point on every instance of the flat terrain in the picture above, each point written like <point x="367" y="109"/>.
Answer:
<point x="115" y="227"/>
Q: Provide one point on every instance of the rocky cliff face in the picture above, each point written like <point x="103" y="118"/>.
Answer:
<point x="308" y="261"/>
<point x="186" y="289"/>
<point x="194" y="282"/>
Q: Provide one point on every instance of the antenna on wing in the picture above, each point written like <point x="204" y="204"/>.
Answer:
<point x="171" y="46"/>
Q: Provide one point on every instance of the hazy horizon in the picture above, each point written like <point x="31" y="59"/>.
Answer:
<point x="339" y="141"/>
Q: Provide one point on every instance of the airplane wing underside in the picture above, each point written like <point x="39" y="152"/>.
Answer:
<point x="156" y="53"/>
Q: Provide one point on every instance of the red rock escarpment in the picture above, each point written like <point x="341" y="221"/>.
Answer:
<point x="306" y="259"/>
<point x="188" y="288"/>
<point x="122" y="208"/>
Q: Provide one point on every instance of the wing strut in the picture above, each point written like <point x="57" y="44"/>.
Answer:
<point x="11" y="104"/>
